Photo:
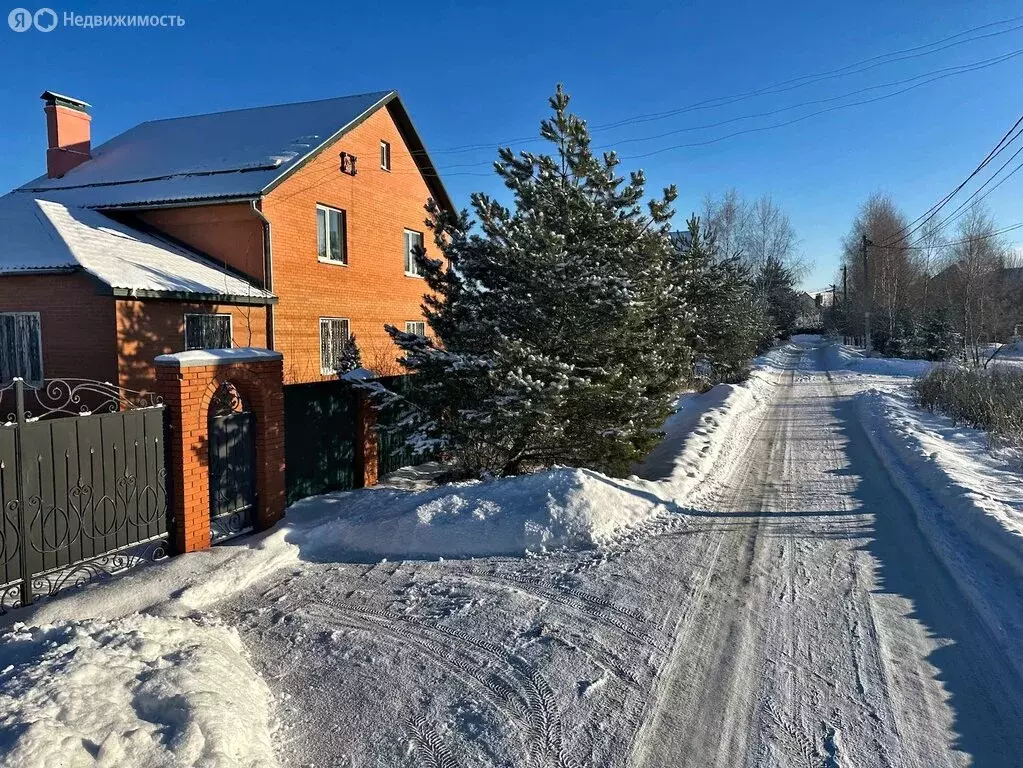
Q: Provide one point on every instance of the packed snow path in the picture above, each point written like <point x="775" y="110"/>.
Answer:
<point x="791" y="615"/>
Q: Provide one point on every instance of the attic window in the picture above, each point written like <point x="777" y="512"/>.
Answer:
<point x="385" y="155"/>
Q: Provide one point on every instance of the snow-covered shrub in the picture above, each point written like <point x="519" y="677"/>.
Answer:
<point x="991" y="400"/>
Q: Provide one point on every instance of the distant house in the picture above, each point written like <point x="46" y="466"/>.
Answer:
<point x="289" y="227"/>
<point x="810" y="310"/>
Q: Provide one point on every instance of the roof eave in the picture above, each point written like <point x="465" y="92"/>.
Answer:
<point x="205" y="298"/>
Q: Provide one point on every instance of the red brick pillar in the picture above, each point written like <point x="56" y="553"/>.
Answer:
<point x="187" y="381"/>
<point x="367" y="442"/>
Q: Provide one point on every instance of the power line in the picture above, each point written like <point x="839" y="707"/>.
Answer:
<point x="973" y="68"/>
<point x="778" y="87"/>
<point x="931" y="212"/>
<point x="851" y="69"/>
<point x="932" y="76"/>
<point x="1003" y="231"/>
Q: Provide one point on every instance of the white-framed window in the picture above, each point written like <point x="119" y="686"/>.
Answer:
<point x="334" y="337"/>
<point x="413" y="240"/>
<point x="385" y="155"/>
<point x="207" y="331"/>
<point x="331" y="235"/>
<point x="21" y="347"/>
<point x="417" y="327"/>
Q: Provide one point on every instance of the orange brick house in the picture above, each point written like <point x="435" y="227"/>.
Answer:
<point x="287" y="227"/>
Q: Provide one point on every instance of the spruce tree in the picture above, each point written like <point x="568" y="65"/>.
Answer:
<point x="350" y="357"/>
<point x="560" y="327"/>
<point x="729" y="320"/>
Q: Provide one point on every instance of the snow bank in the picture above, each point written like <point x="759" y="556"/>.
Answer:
<point x="957" y="487"/>
<point x="139" y="691"/>
<point x="840" y="357"/>
<point x="558" y="509"/>
<point x="712" y="425"/>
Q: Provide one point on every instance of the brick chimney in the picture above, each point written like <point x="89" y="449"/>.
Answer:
<point x="68" y="133"/>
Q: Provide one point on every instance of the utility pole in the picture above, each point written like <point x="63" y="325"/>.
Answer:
<point x="868" y="294"/>
<point x="845" y="302"/>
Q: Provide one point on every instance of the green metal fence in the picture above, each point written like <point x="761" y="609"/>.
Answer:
<point x="319" y="438"/>
<point x="394" y="453"/>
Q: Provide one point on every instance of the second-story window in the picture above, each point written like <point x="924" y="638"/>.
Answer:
<point x="413" y="242"/>
<point x="416" y="327"/>
<point x="330" y="235"/>
<point x="385" y="155"/>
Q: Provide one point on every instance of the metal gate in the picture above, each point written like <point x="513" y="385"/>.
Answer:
<point x="82" y="485"/>
<point x="319" y="438"/>
<point x="232" y="462"/>
<point x="394" y="452"/>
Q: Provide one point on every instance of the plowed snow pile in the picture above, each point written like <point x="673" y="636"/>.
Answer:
<point x="558" y="509"/>
<point x="138" y="691"/>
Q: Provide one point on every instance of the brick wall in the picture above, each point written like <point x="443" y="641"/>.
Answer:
<point x="187" y="390"/>
<point x="372" y="289"/>
<point x="147" y="328"/>
<point x="231" y="233"/>
<point x="77" y="323"/>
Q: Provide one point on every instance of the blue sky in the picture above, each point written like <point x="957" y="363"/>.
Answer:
<point x="474" y="75"/>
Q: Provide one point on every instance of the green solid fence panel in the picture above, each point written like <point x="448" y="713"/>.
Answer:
<point x="319" y="438"/>
<point x="394" y="453"/>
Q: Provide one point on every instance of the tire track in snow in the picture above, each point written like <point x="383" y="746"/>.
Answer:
<point x="540" y="715"/>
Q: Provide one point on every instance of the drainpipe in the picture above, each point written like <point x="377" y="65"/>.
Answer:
<point x="268" y="269"/>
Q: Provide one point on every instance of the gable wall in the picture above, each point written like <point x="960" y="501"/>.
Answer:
<point x="372" y="289"/>
<point x="231" y="233"/>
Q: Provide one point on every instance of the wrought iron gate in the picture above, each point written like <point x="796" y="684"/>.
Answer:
<point x="82" y="485"/>
<point x="232" y="454"/>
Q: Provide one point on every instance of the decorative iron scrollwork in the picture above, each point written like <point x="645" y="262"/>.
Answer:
<point x="226" y="400"/>
<point x="73" y="397"/>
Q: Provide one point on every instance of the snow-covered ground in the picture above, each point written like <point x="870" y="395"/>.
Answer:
<point x="808" y="571"/>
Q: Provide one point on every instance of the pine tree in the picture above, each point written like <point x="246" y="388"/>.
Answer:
<point x="729" y="321"/>
<point x="561" y="325"/>
<point x="350" y="357"/>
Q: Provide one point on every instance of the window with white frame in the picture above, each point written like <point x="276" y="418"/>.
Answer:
<point x="331" y="235"/>
<point x="413" y="242"/>
<point x="207" y="331"/>
<point x="21" y="347"/>
<point x="385" y="155"/>
<point x="334" y="338"/>
<point x="416" y="327"/>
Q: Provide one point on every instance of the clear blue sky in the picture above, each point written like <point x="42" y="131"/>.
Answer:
<point x="473" y="75"/>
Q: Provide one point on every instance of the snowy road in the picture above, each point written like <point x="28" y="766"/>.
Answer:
<point x="791" y="615"/>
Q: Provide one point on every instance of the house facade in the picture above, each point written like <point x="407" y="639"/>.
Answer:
<point x="288" y="227"/>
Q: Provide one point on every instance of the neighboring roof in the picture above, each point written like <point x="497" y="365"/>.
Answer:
<point x="46" y="236"/>
<point x="236" y="154"/>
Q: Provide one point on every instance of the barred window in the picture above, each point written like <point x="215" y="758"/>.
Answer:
<point x="417" y="327"/>
<point x="333" y="339"/>
<point x="413" y="242"/>
<point x="21" y="347"/>
<point x="207" y="332"/>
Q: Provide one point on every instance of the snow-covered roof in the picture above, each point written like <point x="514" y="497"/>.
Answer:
<point x="45" y="235"/>
<point x="236" y="154"/>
